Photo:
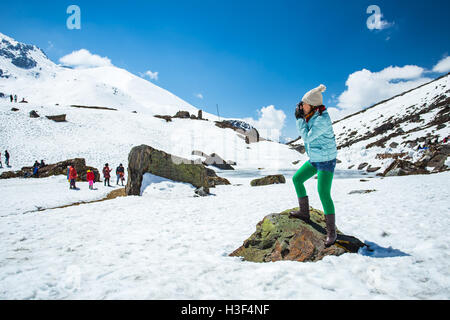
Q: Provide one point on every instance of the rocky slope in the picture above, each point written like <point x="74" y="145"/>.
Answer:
<point x="410" y="127"/>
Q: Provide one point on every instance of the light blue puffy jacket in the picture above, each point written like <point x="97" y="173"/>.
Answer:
<point x="319" y="138"/>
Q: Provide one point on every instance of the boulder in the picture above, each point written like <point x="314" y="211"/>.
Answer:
<point x="372" y="169"/>
<point x="14" y="109"/>
<point x="200" y="115"/>
<point x="34" y="114"/>
<point x="57" y="118"/>
<point x="143" y="159"/>
<point x="167" y="118"/>
<point x="362" y="165"/>
<point x="393" y="145"/>
<point x="402" y="168"/>
<point x="272" y="179"/>
<point x="213" y="160"/>
<point x="182" y="115"/>
<point x="201" y="192"/>
<point x="279" y="237"/>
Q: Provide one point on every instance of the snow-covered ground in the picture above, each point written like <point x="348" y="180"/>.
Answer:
<point x="24" y="195"/>
<point x="164" y="246"/>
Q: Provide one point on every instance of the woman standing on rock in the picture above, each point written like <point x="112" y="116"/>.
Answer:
<point x="315" y="128"/>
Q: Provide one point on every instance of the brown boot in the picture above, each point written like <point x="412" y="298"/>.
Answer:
<point x="303" y="212"/>
<point x="331" y="230"/>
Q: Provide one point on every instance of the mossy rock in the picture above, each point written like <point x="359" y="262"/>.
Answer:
<point x="272" y="179"/>
<point x="280" y="237"/>
<point x="145" y="159"/>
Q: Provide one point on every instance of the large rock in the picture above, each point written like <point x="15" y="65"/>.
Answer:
<point x="182" y="115"/>
<point x="279" y="237"/>
<point x="213" y="160"/>
<point x="57" y="118"/>
<point x="272" y="179"/>
<point x="145" y="159"/>
<point x="402" y="168"/>
<point x="34" y="114"/>
<point x="59" y="168"/>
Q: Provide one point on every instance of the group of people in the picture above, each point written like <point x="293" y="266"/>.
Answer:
<point x="120" y="174"/>
<point x="6" y="159"/>
<point x="37" y="165"/>
<point x="14" y="99"/>
<point x="90" y="176"/>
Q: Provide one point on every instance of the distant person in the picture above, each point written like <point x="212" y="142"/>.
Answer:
<point x="106" y="174"/>
<point x="36" y="164"/>
<point x="15" y="98"/>
<point x="90" y="177"/>
<point x="42" y="164"/>
<point x="11" y="98"/>
<point x="68" y="173"/>
<point x="7" y="158"/>
<point x="120" y="173"/>
<point x="72" y="177"/>
<point x="36" y="170"/>
<point x="23" y="101"/>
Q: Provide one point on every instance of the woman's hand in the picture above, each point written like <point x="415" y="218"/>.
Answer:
<point x="299" y="111"/>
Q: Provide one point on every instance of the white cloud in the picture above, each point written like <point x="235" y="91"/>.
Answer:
<point x="442" y="66"/>
<point x="151" y="75"/>
<point x="199" y="95"/>
<point x="365" y="88"/>
<point x="83" y="59"/>
<point x="270" y="122"/>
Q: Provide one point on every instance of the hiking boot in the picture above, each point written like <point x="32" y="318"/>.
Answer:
<point x="331" y="230"/>
<point x="303" y="212"/>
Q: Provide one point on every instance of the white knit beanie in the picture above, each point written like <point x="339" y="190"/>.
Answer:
<point x="314" y="96"/>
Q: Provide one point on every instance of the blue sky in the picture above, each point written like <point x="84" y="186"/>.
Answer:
<point x="246" y="55"/>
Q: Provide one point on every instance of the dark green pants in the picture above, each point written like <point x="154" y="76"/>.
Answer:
<point x="324" y="180"/>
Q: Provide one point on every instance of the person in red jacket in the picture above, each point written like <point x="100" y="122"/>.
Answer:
<point x="72" y="177"/>
<point x="106" y="174"/>
<point x="90" y="177"/>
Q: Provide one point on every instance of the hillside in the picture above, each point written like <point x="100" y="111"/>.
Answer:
<point x="394" y="128"/>
<point x="105" y="135"/>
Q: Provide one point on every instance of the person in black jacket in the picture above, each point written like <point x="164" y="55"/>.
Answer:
<point x="120" y="173"/>
<point x="7" y="158"/>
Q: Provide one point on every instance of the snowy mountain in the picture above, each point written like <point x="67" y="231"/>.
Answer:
<point x="393" y="129"/>
<point x="106" y="135"/>
<point x="27" y="72"/>
<point x="397" y="126"/>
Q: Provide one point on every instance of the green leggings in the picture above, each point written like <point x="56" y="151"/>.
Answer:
<point x="323" y="185"/>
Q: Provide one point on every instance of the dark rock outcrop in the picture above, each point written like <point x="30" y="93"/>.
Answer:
<point x="167" y="118"/>
<point x="402" y="168"/>
<point x="213" y="160"/>
<point x="362" y="165"/>
<point x="272" y="179"/>
<point x="279" y="237"/>
<point x="34" y="114"/>
<point x="59" y="168"/>
<point x="182" y="115"/>
<point x="57" y="118"/>
<point x="372" y="169"/>
<point x="145" y="159"/>
<point x="246" y="131"/>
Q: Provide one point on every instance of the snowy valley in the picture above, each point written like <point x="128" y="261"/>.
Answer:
<point x="168" y="244"/>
